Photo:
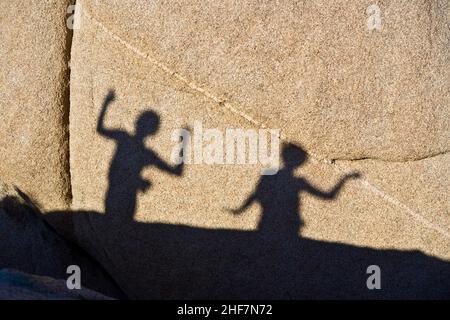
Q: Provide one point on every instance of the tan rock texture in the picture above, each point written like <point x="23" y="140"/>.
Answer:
<point x="311" y="69"/>
<point x="373" y="101"/>
<point x="422" y="187"/>
<point x="34" y="99"/>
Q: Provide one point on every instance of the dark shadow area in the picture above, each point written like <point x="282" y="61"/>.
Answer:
<point x="130" y="158"/>
<point x="29" y="244"/>
<point x="152" y="260"/>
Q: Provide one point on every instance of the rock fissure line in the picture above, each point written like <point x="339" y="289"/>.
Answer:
<point x="66" y="111"/>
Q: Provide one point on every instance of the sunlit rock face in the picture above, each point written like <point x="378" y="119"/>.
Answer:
<point x="34" y="108"/>
<point x="348" y="79"/>
<point x="349" y="85"/>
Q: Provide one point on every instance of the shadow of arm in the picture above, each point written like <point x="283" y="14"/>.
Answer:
<point x="328" y="195"/>
<point x="162" y="165"/>
<point x="113" y="134"/>
<point x="245" y="205"/>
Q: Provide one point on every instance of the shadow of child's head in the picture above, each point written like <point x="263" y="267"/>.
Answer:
<point x="147" y="124"/>
<point x="293" y="155"/>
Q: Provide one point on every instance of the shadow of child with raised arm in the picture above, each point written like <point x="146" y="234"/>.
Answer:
<point x="279" y="196"/>
<point x="130" y="158"/>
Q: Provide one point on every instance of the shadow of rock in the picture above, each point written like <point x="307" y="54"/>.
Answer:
<point x="15" y="285"/>
<point x="29" y="244"/>
<point x="150" y="260"/>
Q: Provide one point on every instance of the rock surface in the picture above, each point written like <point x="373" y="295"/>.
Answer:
<point x="34" y="99"/>
<point x="312" y="68"/>
<point x="175" y="236"/>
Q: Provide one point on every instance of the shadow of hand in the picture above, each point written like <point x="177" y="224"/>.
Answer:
<point x="353" y="175"/>
<point x="111" y="96"/>
<point x="234" y="211"/>
<point x="144" y="185"/>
